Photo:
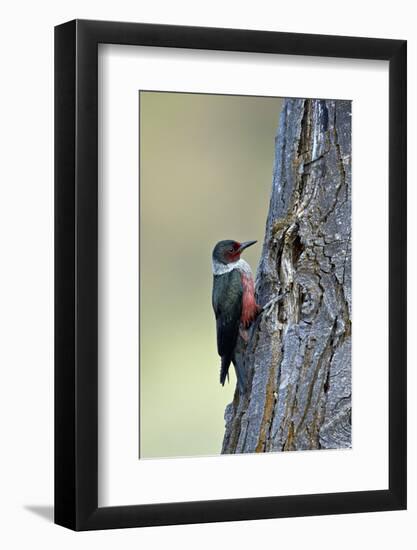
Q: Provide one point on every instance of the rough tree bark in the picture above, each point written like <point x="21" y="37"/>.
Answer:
<point x="298" y="357"/>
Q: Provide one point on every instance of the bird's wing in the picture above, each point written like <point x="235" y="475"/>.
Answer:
<point x="227" y="305"/>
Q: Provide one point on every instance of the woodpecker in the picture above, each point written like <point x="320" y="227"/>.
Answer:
<point x="234" y="305"/>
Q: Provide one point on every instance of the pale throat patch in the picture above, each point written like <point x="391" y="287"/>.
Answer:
<point x="221" y="269"/>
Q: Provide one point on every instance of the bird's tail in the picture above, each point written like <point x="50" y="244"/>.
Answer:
<point x="239" y="369"/>
<point x="224" y="369"/>
<point x="240" y="375"/>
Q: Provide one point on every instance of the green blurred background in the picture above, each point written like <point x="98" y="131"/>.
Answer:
<point x="205" y="175"/>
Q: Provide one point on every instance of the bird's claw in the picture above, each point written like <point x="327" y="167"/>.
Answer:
<point x="267" y="308"/>
<point x="244" y="335"/>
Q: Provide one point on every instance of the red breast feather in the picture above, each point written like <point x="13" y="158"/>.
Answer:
<point x="249" y="306"/>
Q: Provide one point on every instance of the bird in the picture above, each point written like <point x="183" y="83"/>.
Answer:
<point x="234" y="305"/>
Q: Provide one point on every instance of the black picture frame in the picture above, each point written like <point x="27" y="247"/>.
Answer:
<point x="76" y="272"/>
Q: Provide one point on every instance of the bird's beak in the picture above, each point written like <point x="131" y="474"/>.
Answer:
<point x="245" y="245"/>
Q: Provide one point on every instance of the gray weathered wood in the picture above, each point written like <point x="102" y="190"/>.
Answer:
<point x="298" y="357"/>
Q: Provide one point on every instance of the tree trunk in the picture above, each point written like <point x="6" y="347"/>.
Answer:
<point x="298" y="357"/>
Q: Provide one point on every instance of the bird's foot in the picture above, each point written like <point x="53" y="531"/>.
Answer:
<point x="244" y="335"/>
<point x="267" y="308"/>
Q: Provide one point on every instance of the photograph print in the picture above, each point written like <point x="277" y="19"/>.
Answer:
<point x="245" y="274"/>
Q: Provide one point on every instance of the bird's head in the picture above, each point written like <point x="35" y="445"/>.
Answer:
<point x="227" y="252"/>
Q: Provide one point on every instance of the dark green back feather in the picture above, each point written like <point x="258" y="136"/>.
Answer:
<point x="227" y="305"/>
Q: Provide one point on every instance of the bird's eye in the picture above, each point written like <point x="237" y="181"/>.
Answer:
<point x="231" y="250"/>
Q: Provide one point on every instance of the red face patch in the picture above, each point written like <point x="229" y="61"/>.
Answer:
<point x="233" y="253"/>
